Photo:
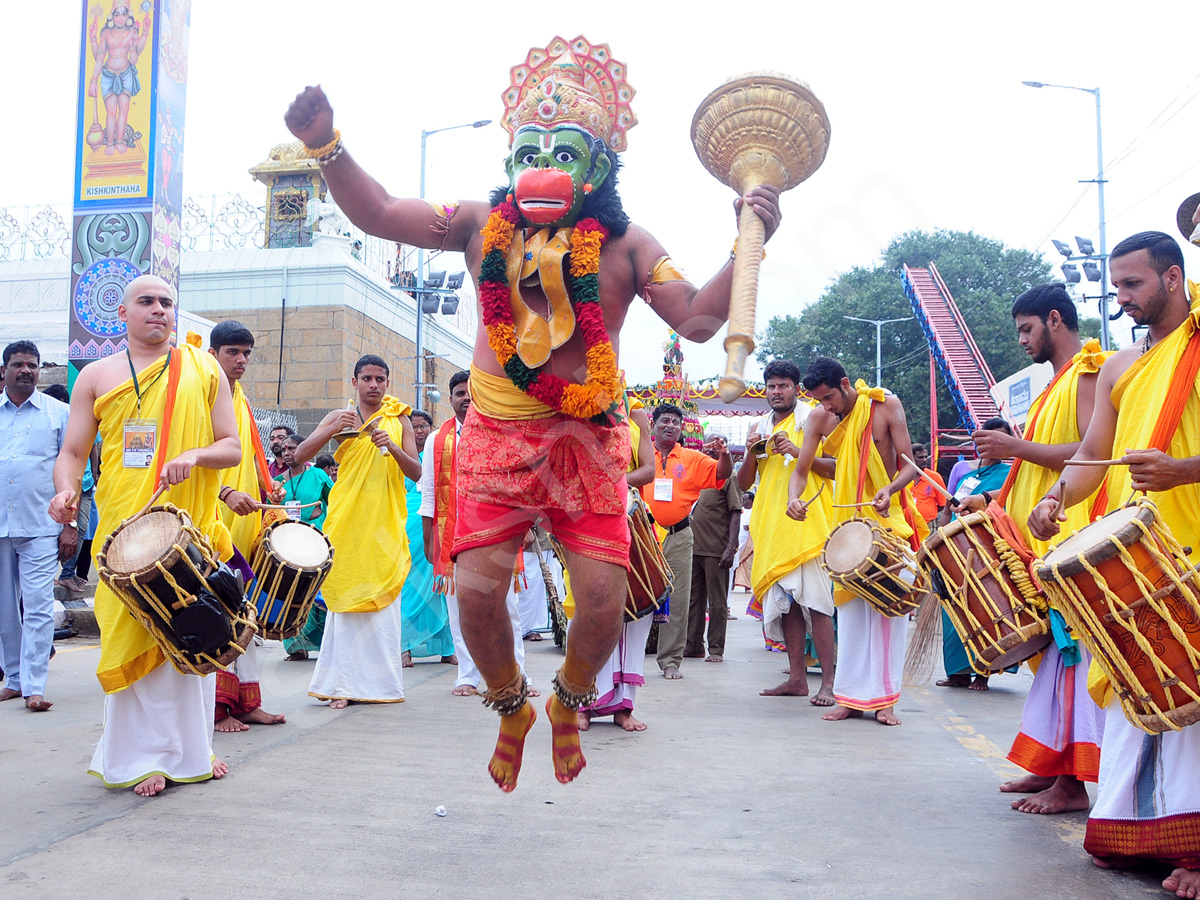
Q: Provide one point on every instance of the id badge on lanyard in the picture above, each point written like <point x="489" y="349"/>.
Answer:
<point x="139" y="440"/>
<point x="663" y="488"/>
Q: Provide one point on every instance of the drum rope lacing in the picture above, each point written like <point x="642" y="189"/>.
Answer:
<point x="1166" y="552"/>
<point x="982" y="634"/>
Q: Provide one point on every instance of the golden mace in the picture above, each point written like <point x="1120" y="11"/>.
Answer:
<point x="756" y="129"/>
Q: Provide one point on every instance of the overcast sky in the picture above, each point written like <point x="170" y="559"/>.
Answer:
<point x="931" y="126"/>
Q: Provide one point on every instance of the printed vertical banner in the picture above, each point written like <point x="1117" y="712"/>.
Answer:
<point x="115" y="150"/>
<point x="128" y="170"/>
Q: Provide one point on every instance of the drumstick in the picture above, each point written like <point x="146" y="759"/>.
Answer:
<point x="937" y="487"/>
<point x="1062" y="499"/>
<point x="288" y="506"/>
<point x="814" y="497"/>
<point x="1094" y="462"/>
<point x="852" y="505"/>
<point x="162" y="487"/>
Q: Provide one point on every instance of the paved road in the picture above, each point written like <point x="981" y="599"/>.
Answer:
<point x="727" y="795"/>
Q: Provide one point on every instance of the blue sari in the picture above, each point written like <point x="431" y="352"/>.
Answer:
<point x="424" y="620"/>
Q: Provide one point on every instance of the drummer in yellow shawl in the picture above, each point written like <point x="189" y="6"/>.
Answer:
<point x="157" y="722"/>
<point x="243" y="488"/>
<point x="1148" y="414"/>
<point x="1061" y="727"/>
<point x="867" y="442"/>
<point x="786" y="577"/>
<point x="360" y="652"/>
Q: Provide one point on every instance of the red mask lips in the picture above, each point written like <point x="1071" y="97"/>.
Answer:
<point x="544" y="195"/>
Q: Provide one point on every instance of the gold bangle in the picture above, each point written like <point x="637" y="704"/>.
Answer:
<point x="325" y="150"/>
<point x="733" y="252"/>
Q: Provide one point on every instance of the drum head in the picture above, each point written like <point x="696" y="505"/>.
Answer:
<point x="299" y="545"/>
<point x="1119" y="523"/>
<point x="144" y="542"/>
<point x="848" y="547"/>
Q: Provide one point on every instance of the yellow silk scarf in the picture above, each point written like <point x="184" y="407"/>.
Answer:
<point x="242" y="477"/>
<point x="782" y="544"/>
<point x="367" y="515"/>
<point x="127" y="651"/>
<point x="1056" y="422"/>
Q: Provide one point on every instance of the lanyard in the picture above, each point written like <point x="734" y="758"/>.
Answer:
<point x="664" y="460"/>
<point x="137" y="387"/>
<point x="295" y="481"/>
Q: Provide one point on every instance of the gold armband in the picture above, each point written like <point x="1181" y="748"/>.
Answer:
<point x="664" y="271"/>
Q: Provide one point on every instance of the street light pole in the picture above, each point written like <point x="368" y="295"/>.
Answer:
<point x="420" y="373"/>
<point x="878" y="323"/>
<point x="1105" y="340"/>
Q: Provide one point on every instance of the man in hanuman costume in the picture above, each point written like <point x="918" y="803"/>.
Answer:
<point x="556" y="263"/>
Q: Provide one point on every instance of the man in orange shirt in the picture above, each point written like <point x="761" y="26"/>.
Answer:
<point x="928" y="499"/>
<point x="679" y="477"/>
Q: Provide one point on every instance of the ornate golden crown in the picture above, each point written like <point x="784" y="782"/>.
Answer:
<point x="571" y="83"/>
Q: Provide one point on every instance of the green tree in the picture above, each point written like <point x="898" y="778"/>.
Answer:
<point x="984" y="278"/>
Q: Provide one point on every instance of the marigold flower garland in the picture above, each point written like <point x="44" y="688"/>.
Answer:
<point x="597" y="396"/>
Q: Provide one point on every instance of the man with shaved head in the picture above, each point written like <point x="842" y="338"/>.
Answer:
<point x="157" y="722"/>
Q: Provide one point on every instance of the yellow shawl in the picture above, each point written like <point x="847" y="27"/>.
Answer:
<point x="1139" y="394"/>
<point x="846" y="444"/>
<point x="127" y="651"/>
<point x="243" y="477"/>
<point x="367" y="515"/>
<point x="1055" y="421"/>
<point x="782" y="544"/>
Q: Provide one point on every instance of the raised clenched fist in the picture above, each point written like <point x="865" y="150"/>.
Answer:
<point x="310" y="117"/>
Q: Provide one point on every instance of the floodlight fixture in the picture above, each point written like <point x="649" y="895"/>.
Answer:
<point x="1086" y="247"/>
<point x="429" y="303"/>
<point x="1063" y="247"/>
<point x="449" y="306"/>
<point x="1091" y="271"/>
<point x="435" y="280"/>
<point x="455" y="281"/>
<point x="1071" y="273"/>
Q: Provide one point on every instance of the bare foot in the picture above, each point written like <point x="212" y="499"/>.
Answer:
<point x="715" y="657"/>
<point x="886" y="716"/>
<point x="297" y="656"/>
<point x="672" y="673"/>
<point x="229" y="724"/>
<point x="9" y="694"/>
<point x="1067" y="794"/>
<point x="260" y="716"/>
<point x="842" y="712"/>
<point x="955" y="681"/>
<point x="1027" y="785"/>
<point x="787" y="671"/>
<point x="564" y="729"/>
<point x="219" y="768"/>
<point x="625" y="719"/>
<point x="824" y="697"/>
<point x="789" y="688"/>
<point x="534" y="692"/>
<point x="339" y="703"/>
<point x="979" y="684"/>
<point x="406" y="660"/>
<point x="505" y="764"/>
<point x="533" y="636"/>
<point x="585" y="719"/>
<point x="1184" y="882"/>
<point x="464" y="690"/>
<point x="150" y="786"/>
<point x="37" y="703"/>
<point x="450" y="660"/>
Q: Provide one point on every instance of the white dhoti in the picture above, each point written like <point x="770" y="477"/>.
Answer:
<point x="1148" y="803"/>
<point x="161" y="724"/>
<point x="468" y="672"/>
<point x="621" y="675"/>
<point x="807" y="586"/>
<point x="360" y="657"/>
<point x="1061" y="727"/>
<point x="870" y="662"/>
